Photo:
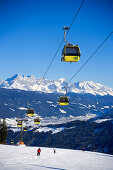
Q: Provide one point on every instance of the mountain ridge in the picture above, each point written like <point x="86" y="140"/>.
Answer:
<point x="30" y="83"/>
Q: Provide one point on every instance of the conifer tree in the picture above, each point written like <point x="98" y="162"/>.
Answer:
<point x="3" y="131"/>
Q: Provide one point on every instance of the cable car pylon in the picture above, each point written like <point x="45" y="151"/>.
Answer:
<point x="20" y="124"/>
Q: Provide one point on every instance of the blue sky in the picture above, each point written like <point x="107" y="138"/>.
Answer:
<point x="31" y="31"/>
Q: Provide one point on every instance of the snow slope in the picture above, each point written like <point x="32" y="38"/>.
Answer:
<point x="20" y="158"/>
<point x="30" y="83"/>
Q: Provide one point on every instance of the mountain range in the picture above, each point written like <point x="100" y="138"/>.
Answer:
<point x="85" y="122"/>
<point x="87" y="99"/>
<point x="30" y="83"/>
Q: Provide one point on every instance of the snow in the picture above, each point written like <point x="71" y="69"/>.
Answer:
<point x="70" y="108"/>
<point x="43" y="129"/>
<point x="16" y="157"/>
<point x="91" y="87"/>
<point x="107" y="107"/>
<point x="83" y="105"/>
<point x="22" y="108"/>
<point x="102" y="120"/>
<point x="30" y="83"/>
<point x="87" y="117"/>
<point x="62" y="111"/>
<point x="46" y="129"/>
<point x="53" y="105"/>
<point x="57" y="130"/>
<point x="49" y="102"/>
<point x="12" y="109"/>
<point x="11" y="122"/>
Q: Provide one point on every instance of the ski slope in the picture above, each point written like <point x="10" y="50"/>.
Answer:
<point x="20" y="158"/>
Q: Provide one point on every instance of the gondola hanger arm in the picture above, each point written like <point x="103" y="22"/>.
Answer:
<point x="65" y="31"/>
<point x="66" y="89"/>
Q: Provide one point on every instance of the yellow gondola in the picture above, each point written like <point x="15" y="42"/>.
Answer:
<point x="25" y="128"/>
<point x="30" y="112"/>
<point x="19" y="124"/>
<point x="63" y="100"/>
<point x="70" y="53"/>
<point x="37" y="121"/>
<point x="12" y="141"/>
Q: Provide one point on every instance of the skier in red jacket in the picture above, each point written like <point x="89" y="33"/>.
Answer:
<point x="38" y="152"/>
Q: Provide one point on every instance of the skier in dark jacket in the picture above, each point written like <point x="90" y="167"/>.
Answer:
<point x="54" y="150"/>
<point x="38" y="152"/>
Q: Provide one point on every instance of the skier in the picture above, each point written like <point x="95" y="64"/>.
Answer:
<point x="38" y="152"/>
<point x="54" y="150"/>
<point x="83" y="148"/>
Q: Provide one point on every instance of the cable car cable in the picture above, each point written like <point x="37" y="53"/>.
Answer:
<point x="51" y="62"/>
<point x="76" y="15"/>
<point x="61" y="43"/>
<point x="87" y="60"/>
<point x="90" y="57"/>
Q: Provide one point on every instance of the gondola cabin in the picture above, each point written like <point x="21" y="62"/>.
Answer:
<point x="37" y="121"/>
<point x="19" y="124"/>
<point x="70" y="53"/>
<point x="25" y="128"/>
<point x="12" y="141"/>
<point x="30" y="112"/>
<point x="63" y="100"/>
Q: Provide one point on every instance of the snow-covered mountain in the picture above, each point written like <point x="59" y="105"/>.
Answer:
<point x="30" y="83"/>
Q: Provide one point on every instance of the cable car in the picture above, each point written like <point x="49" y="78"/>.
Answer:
<point x="30" y="112"/>
<point x="63" y="100"/>
<point x="37" y="120"/>
<point x="25" y="128"/>
<point x="12" y="141"/>
<point x="70" y="53"/>
<point x="19" y="124"/>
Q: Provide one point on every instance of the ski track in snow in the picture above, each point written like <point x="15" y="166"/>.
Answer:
<point x="20" y="158"/>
